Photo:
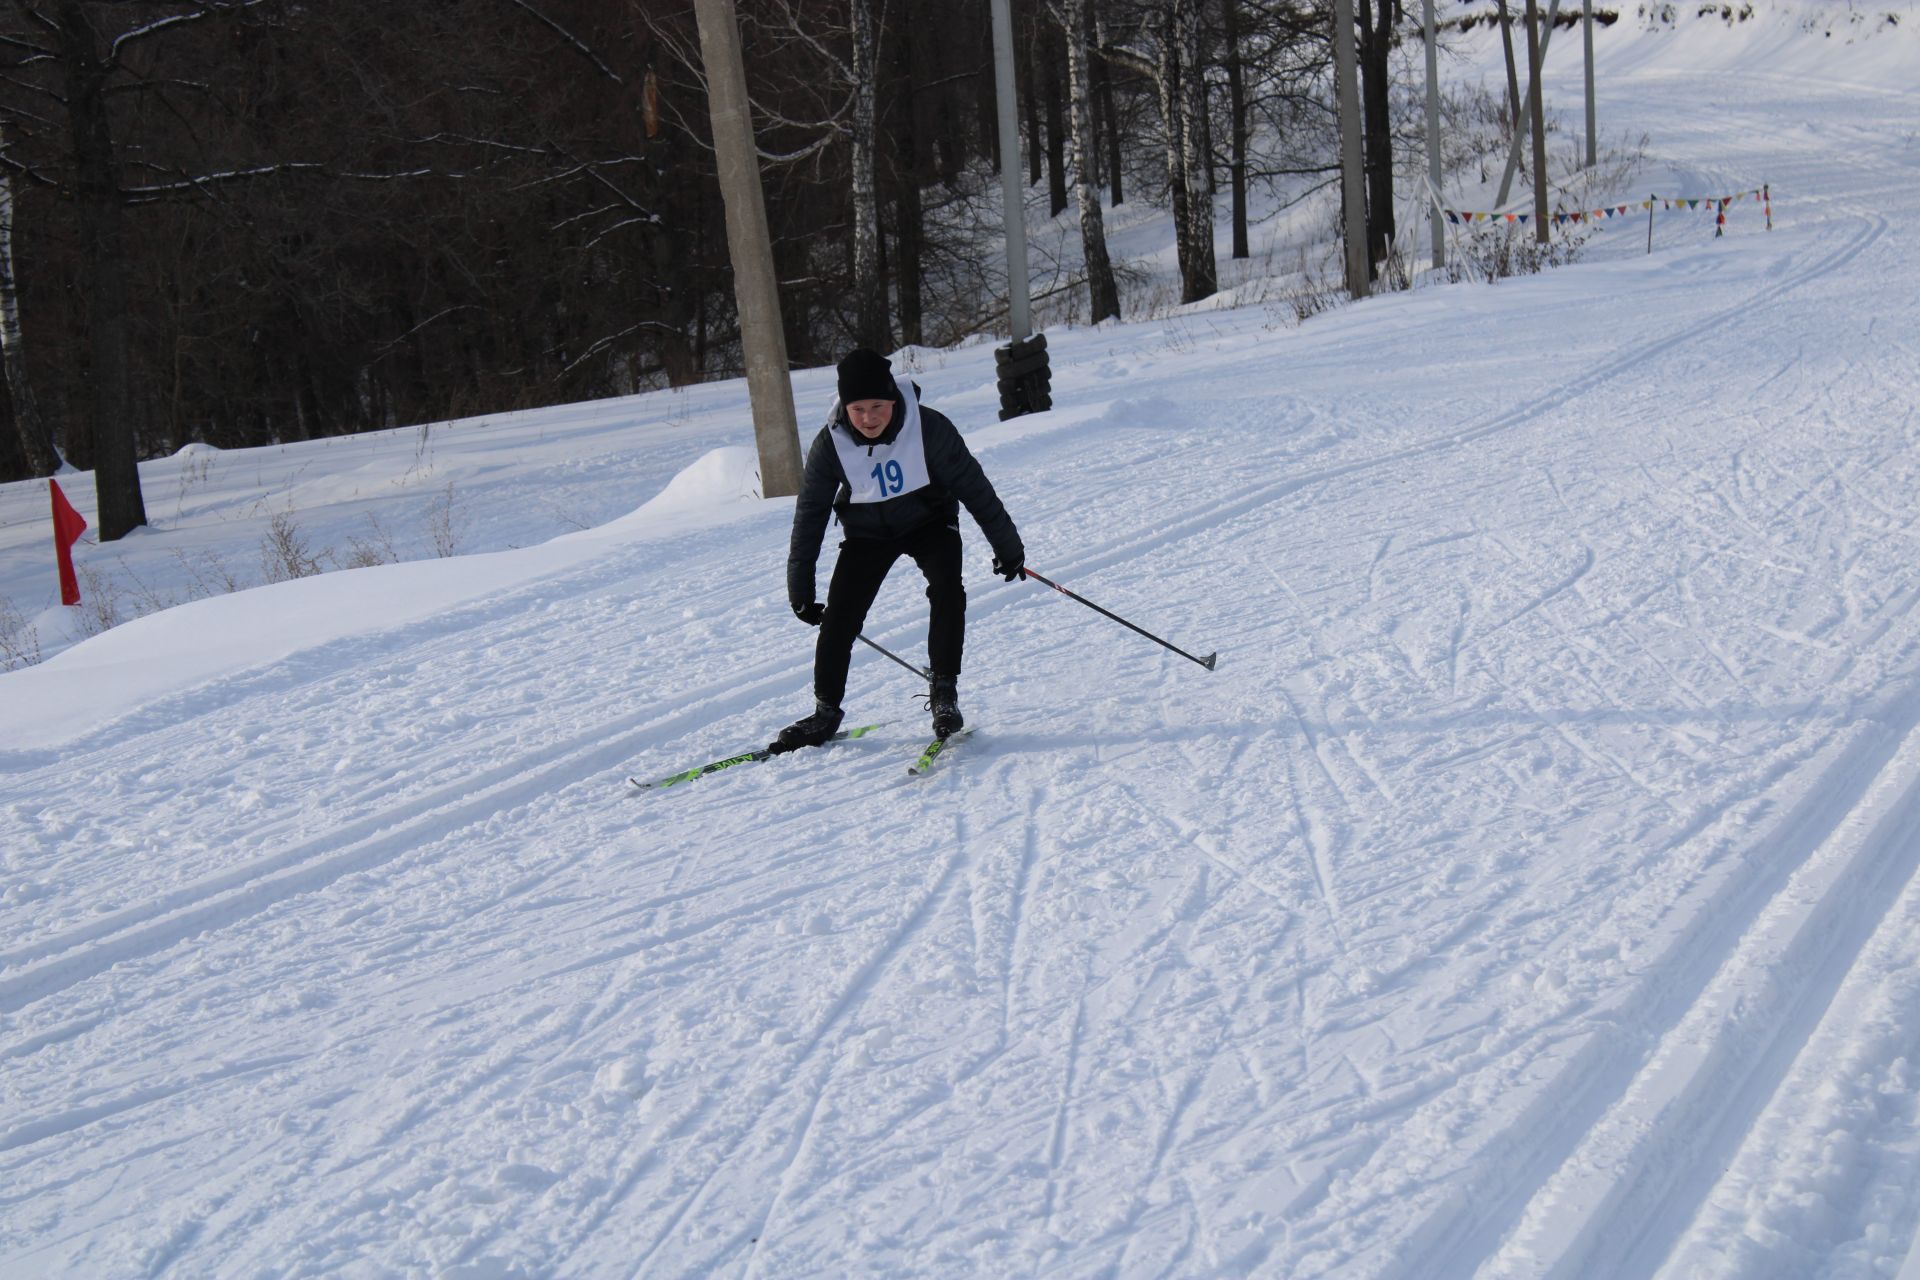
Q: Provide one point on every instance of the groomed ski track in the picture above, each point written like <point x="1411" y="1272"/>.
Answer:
<point x="1531" y="891"/>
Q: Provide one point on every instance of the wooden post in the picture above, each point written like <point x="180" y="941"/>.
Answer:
<point x="756" y="287"/>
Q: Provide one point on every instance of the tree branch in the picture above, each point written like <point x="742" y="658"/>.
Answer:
<point x="17" y="43"/>
<point x="179" y="19"/>
<point x="579" y="46"/>
<point x="203" y="182"/>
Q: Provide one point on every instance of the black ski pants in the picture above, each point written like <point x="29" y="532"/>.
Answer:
<point x="857" y="576"/>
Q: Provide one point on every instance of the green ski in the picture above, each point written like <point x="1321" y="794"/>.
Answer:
<point x="745" y="757"/>
<point x="924" y="765"/>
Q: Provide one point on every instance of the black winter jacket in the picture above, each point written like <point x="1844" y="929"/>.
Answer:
<point x="955" y="477"/>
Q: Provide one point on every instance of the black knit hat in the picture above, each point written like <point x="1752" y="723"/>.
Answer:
<point x="866" y="375"/>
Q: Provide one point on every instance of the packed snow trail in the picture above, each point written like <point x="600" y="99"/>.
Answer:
<point x="1544" y="834"/>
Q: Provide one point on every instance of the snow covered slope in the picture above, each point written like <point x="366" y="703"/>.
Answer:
<point x="1531" y="891"/>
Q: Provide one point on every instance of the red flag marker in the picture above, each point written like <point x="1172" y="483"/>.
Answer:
<point x="68" y="525"/>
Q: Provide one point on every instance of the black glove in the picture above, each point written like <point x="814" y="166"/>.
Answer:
<point x="810" y="613"/>
<point x="1011" y="566"/>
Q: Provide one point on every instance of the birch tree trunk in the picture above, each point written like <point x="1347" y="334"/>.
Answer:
<point x="870" y="305"/>
<point x="1237" y="140"/>
<point x="1077" y="25"/>
<point x="1202" y="280"/>
<point x="35" y="444"/>
<point x="1167" y="80"/>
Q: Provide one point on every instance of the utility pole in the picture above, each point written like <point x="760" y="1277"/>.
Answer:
<point x="1433" y="140"/>
<point x="1535" y="114"/>
<point x="756" y="287"/>
<point x="1587" y="21"/>
<point x="1353" y="197"/>
<point x="1024" y="371"/>
<point x="1013" y="207"/>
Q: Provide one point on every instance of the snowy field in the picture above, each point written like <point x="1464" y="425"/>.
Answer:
<point x="1531" y="892"/>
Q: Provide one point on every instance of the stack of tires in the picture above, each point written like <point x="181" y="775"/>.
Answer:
<point x="1026" y="383"/>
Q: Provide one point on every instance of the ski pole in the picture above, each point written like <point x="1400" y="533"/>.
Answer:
<point x="1206" y="662"/>
<point x="922" y="673"/>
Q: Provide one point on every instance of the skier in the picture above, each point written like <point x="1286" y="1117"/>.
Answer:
<point x="891" y="469"/>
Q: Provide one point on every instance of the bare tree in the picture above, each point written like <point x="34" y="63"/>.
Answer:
<point x="1379" y="23"/>
<point x="1201" y="279"/>
<point x="870" y="291"/>
<point x="909" y="210"/>
<point x="816" y="82"/>
<point x="36" y="445"/>
<point x="1280" y="110"/>
<point x="1513" y="72"/>
<point x="1352" y="183"/>
<point x="1171" y="31"/>
<point x="1103" y="73"/>
<point x="88" y="64"/>
<point x="312" y="219"/>
<point x="1075" y="18"/>
<point x="1029" y="71"/>
<point x="1167" y="70"/>
<point x="1237" y="131"/>
<point x="1050" y="54"/>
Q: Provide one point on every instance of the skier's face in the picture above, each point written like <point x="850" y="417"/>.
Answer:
<point x="870" y="417"/>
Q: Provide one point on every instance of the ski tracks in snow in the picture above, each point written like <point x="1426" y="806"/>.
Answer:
<point x="1618" y="1204"/>
<point x="235" y="892"/>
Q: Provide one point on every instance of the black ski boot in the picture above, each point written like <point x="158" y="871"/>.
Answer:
<point x="944" y="702"/>
<point x="808" y="731"/>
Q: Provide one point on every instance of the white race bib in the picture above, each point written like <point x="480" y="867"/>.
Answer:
<point x="877" y="472"/>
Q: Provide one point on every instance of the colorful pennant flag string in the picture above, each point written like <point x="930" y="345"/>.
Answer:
<point x="1717" y="205"/>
